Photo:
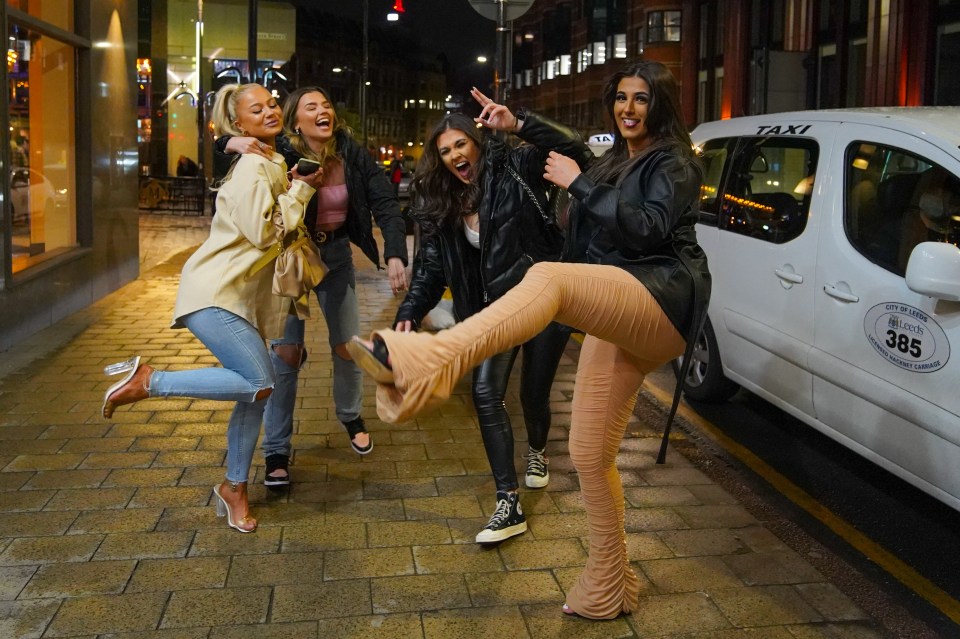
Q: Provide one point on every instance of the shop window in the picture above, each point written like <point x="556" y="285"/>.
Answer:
<point x="59" y="13"/>
<point x="895" y="200"/>
<point x="41" y="75"/>
<point x="663" y="26"/>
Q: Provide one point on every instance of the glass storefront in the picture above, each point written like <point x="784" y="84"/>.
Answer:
<point x="41" y="95"/>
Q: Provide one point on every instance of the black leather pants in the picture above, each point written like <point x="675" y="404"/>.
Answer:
<point x="541" y="356"/>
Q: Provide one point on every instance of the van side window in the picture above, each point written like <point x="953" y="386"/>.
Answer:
<point x="769" y="186"/>
<point x="895" y="200"/>
<point x="713" y="155"/>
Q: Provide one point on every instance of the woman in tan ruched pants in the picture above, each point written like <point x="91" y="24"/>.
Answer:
<point x="637" y="300"/>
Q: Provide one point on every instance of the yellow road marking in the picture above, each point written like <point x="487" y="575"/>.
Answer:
<point x="901" y="571"/>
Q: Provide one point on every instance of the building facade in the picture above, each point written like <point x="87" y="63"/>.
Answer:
<point x="68" y="193"/>
<point x="102" y="95"/>
<point x="739" y="57"/>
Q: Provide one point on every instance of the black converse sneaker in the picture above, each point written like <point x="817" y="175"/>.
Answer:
<point x="537" y="474"/>
<point x="507" y="520"/>
<point x="276" y="473"/>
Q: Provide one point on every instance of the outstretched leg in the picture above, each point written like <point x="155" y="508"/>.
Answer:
<point x="604" y="301"/>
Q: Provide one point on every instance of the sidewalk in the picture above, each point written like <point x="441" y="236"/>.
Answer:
<point x="107" y="527"/>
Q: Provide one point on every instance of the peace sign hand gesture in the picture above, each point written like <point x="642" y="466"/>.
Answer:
<point x="495" y="116"/>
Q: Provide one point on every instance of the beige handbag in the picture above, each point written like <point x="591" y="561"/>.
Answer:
<point x="299" y="267"/>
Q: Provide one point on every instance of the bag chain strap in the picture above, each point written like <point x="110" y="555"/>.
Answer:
<point x="526" y="187"/>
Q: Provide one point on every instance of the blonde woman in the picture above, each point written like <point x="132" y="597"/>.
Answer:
<point x="230" y="312"/>
<point x="351" y="188"/>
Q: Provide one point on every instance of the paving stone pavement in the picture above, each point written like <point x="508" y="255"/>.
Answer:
<point x="107" y="528"/>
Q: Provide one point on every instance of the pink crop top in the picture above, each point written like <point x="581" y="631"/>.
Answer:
<point x="331" y="206"/>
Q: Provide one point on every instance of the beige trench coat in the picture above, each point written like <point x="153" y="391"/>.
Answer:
<point x="241" y="232"/>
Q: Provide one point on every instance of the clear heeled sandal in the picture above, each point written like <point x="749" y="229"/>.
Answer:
<point x="130" y="367"/>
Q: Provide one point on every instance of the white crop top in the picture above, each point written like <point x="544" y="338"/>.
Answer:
<point x="472" y="236"/>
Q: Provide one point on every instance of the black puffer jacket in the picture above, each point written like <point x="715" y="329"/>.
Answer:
<point x="369" y="192"/>
<point x="644" y="223"/>
<point x="513" y="232"/>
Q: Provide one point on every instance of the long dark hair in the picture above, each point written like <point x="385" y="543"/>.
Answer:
<point x="438" y="195"/>
<point x="664" y="118"/>
<point x="290" y="106"/>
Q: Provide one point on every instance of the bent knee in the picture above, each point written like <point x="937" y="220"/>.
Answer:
<point x="290" y="354"/>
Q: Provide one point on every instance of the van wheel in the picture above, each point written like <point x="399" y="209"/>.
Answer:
<point x="705" y="380"/>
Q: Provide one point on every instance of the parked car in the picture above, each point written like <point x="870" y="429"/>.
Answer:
<point x="30" y="193"/>
<point x="831" y="237"/>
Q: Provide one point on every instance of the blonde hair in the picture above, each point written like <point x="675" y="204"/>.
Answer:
<point x="224" y="115"/>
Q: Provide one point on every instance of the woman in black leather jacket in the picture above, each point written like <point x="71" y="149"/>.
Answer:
<point x="640" y="295"/>
<point x="353" y="187"/>
<point x="483" y="213"/>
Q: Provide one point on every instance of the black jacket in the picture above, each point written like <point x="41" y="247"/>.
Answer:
<point x="369" y="192"/>
<point x="645" y="224"/>
<point x="514" y="233"/>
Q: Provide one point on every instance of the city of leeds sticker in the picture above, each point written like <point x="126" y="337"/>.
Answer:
<point x="907" y="337"/>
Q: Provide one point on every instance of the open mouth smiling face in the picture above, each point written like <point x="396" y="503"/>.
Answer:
<point x="459" y="153"/>
<point x="630" y="111"/>
<point x="315" y="116"/>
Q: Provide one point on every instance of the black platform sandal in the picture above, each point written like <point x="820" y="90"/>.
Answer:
<point x="275" y="463"/>
<point x="372" y="362"/>
<point x="354" y="428"/>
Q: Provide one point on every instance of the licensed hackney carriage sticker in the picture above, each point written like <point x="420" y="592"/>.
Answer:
<point x="907" y="337"/>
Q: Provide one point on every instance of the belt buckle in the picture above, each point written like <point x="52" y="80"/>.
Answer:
<point x="322" y="237"/>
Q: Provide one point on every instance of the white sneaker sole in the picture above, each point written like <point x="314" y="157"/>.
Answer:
<point x="487" y="536"/>
<point x="536" y="481"/>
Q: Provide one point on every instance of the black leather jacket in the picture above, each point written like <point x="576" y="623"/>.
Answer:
<point x="513" y="232"/>
<point x="369" y="192"/>
<point x="645" y="224"/>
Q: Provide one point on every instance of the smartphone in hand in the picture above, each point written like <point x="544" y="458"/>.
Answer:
<point x="307" y="167"/>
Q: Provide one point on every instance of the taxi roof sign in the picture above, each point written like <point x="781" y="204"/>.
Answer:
<point x="601" y="138"/>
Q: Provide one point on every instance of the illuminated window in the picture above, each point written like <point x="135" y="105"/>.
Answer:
<point x="599" y="53"/>
<point x="618" y="47"/>
<point x="41" y="90"/>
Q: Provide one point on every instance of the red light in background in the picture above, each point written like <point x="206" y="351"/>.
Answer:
<point x="398" y="6"/>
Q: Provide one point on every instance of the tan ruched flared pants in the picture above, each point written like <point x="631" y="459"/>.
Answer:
<point x="628" y="335"/>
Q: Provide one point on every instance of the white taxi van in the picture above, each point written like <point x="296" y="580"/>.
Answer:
<point x="831" y="238"/>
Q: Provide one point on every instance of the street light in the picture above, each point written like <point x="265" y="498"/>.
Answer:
<point x="363" y="72"/>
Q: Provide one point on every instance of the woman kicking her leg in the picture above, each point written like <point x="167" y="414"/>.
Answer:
<point x="638" y="296"/>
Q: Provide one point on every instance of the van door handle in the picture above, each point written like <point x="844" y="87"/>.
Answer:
<point x="794" y="278"/>
<point x="833" y="291"/>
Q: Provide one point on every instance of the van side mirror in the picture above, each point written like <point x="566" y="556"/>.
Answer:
<point x="759" y="163"/>
<point x="934" y="270"/>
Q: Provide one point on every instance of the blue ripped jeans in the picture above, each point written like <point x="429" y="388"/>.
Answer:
<point x="246" y="371"/>
<point x="337" y="294"/>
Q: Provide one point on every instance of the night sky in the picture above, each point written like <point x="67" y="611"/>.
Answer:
<point x="451" y="27"/>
